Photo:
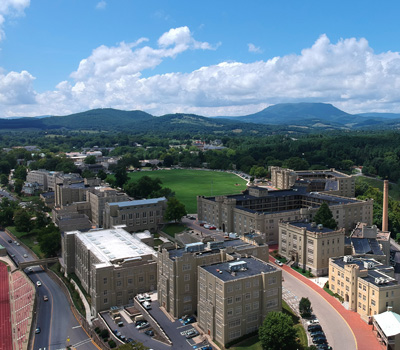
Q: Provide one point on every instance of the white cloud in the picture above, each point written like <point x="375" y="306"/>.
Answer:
<point x="253" y="48"/>
<point x="101" y="5"/>
<point x="11" y="8"/>
<point x="347" y="73"/>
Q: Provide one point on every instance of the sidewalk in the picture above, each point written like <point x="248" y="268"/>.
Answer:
<point x="365" y="338"/>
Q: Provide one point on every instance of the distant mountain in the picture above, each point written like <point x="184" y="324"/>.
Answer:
<point x="299" y="114"/>
<point x="381" y="115"/>
<point x="281" y="118"/>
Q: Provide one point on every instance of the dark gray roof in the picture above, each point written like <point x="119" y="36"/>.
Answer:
<point x="373" y="275"/>
<point x="311" y="228"/>
<point x="254" y="267"/>
<point x="366" y="246"/>
<point x="138" y="202"/>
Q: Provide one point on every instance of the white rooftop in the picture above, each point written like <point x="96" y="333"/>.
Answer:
<point x="113" y="244"/>
<point x="389" y="322"/>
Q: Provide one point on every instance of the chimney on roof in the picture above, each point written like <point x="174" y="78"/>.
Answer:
<point x="385" y="205"/>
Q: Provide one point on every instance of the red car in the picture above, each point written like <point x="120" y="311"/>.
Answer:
<point x="212" y="228"/>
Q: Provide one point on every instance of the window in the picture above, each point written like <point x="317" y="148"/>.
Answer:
<point x="105" y="280"/>
<point x="234" y="334"/>
<point x="186" y="267"/>
<point x="234" y="323"/>
<point x="256" y="283"/>
<point x="256" y="305"/>
<point x="105" y="301"/>
<point x="248" y="307"/>
<point x="372" y="302"/>
<point x="137" y="215"/>
<point x="230" y="289"/>
<point x="247" y="296"/>
<point x="238" y="310"/>
<point x="271" y="280"/>
<point x="230" y="312"/>
<point x="229" y="300"/>
<point x="119" y="283"/>
<point x="187" y="287"/>
<point x="272" y="303"/>
<point x="129" y="280"/>
<point x="187" y="298"/>
<point x="186" y="277"/>
<point x="141" y="279"/>
<point x="105" y="292"/>
<point x="256" y="294"/>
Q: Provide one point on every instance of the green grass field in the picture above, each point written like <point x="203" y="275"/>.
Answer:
<point x="187" y="184"/>
<point x="394" y="189"/>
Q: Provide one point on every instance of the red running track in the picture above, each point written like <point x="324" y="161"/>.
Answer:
<point x="5" y="310"/>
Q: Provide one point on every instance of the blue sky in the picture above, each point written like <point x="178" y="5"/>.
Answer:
<point x="206" y="57"/>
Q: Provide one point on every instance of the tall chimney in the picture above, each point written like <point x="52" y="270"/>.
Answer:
<point x="385" y="205"/>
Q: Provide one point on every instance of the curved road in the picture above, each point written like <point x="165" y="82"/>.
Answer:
<point x="54" y="317"/>
<point x="337" y="330"/>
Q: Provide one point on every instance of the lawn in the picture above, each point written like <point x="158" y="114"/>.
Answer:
<point x="188" y="184"/>
<point x="172" y="229"/>
<point x="253" y="343"/>
<point x="394" y="189"/>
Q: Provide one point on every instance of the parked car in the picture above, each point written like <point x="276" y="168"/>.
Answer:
<point x="122" y="337"/>
<point x="37" y="330"/>
<point x="147" y="305"/>
<point x="140" y="298"/>
<point x="314" y="321"/>
<point x="147" y="297"/>
<point x="139" y="322"/>
<point x="38" y="283"/>
<point x="212" y="228"/>
<point x="314" y="327"/>
<point x="130" y="340"/>
<point x="320" y="340"/>
<point x="207" y="347"/>
<point x="120" y="324"/>
<point x="150" y="333"/>
<point x="191" y="334"/>
<point x="9" y="241"/>
<point x="207" y="226"/>
<point x="324" y="346"/>
<point x="45" y="298"/>
<point x="278" y="262"/>
<point x="189" y="320"/>
<point x="143" y="325"/>
<point x="317" y="334"/>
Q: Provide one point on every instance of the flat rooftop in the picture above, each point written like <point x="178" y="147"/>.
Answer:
<point x="312" y="228"/>
<point x="330" y="172"/>
<point x="113" y="244"/>
<point x="254" y="267"/>
<point x="139" y="202"/>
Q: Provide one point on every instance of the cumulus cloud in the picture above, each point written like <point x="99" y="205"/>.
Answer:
<point x="253" y="48"/>
<point x="11" y="8"/>
<point x="347" y="73"/>
<point x="101" y="5"/>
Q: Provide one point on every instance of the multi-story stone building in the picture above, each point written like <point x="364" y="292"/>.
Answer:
<point x="367" y="285"/>
<point x="138" y="215"/>
<point x="258" y="209"/>
<point x="98" y="197"/>
<point x="330" y="181"/>
<point x="370" y="242"/>
<point x="49" y="179"/>
<point x="234" y="297"/>
<point x="177" y="270"/>
<point x="310" y="245"/>
<point x="112" y="265"/>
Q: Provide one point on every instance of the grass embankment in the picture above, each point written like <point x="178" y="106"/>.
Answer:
<point x="254" y="344"/>
<point x="303" y="272"/>
<point x="30" y="240"/>
<point x="172" y="229"/>
<point x="74" y="294"/>
<point x="188" y="183"/>
<point x="394" y="189"/>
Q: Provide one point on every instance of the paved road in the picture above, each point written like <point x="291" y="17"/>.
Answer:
<point x="337" y="331"/>
<point x="54" y="317"/>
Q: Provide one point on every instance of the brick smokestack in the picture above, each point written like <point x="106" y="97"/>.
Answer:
<point x="385" y="205"/>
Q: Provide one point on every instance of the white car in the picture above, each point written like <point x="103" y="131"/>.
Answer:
<point x="314" y="321"/>
<point x="38" y="283"/>
<point x="140" y="298"/>
<point x="280" y="263"/>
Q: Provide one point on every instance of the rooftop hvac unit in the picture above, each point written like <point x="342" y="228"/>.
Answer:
<point x="348" y="258"/>
<point x="215" y="245"/>
<point x="378" y="280"/>
<point x="237" y="266"/>
<point x="320" y="227"/>
<point x="194" y="247"/>
<point x="368" y="265"/>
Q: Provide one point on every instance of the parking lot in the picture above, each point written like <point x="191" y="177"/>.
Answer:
<point x="182" y="336"/>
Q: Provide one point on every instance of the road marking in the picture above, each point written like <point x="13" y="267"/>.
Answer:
<point x="76" y="327"/>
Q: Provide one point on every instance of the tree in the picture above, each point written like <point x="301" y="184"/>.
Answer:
<point x="305" y="307"/>
<point x="277" y="332"/>
<point x="90" y="160"/>
<point x="22" y="220"/>
<point x="87" y="174"/>
<point x="7" y="209"/>
<point x="175" y="210"/>
<point x="18" y="184"/>
<point x="398" y="237"/>
<point x="49" y="240"/>
<point x="101" y="174"/>
<point x="4" y="179"/>
<point x="20" y="173"/>
<point x="324" y="216"/>
<point x="120" y="176"/>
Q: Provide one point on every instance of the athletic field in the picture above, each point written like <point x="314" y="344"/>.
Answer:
<point x="187" y="184"/>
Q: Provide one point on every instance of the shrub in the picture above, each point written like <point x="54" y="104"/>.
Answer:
<point x="104" y="334"/>
<point x="112" y="344"/>
<point x="97" y="330"/>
